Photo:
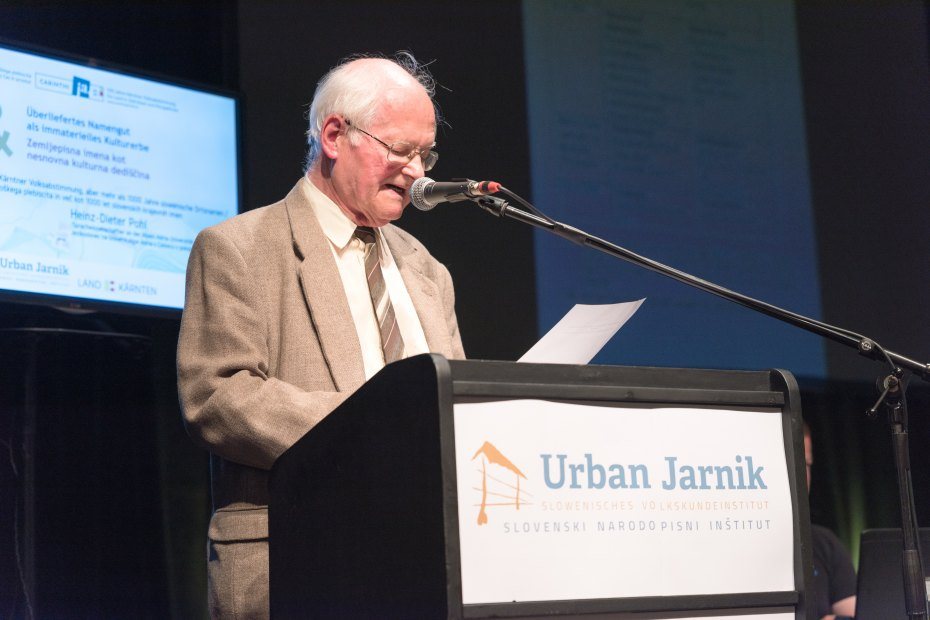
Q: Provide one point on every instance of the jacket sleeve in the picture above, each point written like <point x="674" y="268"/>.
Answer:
<point x="230" y="403"/>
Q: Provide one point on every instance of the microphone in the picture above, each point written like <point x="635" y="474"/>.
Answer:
<point x="426" y="193"/>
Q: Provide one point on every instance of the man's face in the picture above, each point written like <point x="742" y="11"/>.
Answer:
<point x="370" y="189"/>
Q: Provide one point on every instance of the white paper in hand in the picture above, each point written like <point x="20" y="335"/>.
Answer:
<point x="581" y="333"/>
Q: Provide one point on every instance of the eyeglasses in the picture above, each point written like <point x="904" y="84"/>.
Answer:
<point x="403" y="152"/>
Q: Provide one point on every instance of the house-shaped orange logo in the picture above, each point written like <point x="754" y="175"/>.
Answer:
<point x="505" y="493"/>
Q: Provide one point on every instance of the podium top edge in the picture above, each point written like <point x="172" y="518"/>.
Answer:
<point x="613" y="376"/>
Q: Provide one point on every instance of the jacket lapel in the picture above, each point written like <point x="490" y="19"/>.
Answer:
<point x="324" y="293"/>
<point x="423" y="290"/>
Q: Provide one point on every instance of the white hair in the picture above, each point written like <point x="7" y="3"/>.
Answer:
<point x="353" y="95"/>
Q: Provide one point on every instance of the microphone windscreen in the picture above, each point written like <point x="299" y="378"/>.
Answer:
<point x="418" y="193"/>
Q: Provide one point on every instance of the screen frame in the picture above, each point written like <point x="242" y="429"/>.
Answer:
<point x="81" y="305"/>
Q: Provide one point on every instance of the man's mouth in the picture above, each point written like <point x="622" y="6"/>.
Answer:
<point x="397" y="188"/>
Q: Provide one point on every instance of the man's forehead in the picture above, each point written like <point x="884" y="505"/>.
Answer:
<point x="403" y="106"/>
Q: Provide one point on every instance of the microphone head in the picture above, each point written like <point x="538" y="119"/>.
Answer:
<point x="418" y="193"/>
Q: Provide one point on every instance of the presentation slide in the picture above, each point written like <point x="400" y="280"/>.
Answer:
<point x="675" y="129"/>
<point x="105" y="180"/>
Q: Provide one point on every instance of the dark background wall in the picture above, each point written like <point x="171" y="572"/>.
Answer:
<point x="865" y="72"/>
<point x="867" y="99"/>
<point x="284" y="49"/>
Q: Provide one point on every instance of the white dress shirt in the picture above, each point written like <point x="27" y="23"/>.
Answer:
<point x="349" y="253"/>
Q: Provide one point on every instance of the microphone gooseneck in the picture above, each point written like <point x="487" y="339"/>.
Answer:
<point x="425" y="193"/>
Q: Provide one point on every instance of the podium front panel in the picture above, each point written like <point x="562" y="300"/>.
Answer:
<point x="628" y="490"/>
<point x="563" y="500"/>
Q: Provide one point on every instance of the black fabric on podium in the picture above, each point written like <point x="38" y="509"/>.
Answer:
<point x="325" y="507"/>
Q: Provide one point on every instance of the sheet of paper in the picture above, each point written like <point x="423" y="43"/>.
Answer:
<point x="581" y="333"/>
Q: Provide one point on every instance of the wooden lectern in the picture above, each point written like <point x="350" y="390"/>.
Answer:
<point x="612" y="499"/>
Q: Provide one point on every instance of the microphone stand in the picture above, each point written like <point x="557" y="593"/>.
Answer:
<point x="894" y="387"/>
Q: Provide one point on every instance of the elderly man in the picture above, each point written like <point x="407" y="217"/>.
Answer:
<point x="291" y="307"/>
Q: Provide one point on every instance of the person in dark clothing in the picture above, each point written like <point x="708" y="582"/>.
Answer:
<point x="834" y="587"/>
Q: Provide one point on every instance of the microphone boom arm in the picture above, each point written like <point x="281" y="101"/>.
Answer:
<point x="864" y="345"/>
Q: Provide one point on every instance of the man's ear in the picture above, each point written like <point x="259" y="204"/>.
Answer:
<point x="333" y="127"/>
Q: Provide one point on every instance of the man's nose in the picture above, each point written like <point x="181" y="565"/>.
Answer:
<point x="414" y="167"/>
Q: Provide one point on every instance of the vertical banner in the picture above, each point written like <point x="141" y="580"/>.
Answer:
<point x="561" y="501"/>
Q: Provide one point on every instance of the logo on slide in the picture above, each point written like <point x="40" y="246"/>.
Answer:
<point x="80" y="87"/>
<point x="4" y="139"/>
<point x="500" y="481"/>
<point x="84" y="89"/>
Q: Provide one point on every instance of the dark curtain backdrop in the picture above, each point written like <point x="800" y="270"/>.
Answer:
<point x="475" y="51"/>
<point x="865" y="82"/>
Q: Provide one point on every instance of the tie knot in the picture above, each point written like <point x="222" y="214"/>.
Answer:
<point x="366" y="234"/>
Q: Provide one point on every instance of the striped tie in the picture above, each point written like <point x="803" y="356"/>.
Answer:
<point x="392" y="344"/>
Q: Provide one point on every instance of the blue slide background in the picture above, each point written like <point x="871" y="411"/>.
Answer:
<point x="106" y="180"/>
<point x="676" y="130"/>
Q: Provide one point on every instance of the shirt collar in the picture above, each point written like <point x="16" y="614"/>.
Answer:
<point x="337" y="227"/>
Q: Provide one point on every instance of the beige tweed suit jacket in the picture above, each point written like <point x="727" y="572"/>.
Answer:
<point x="267" y="349"/>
